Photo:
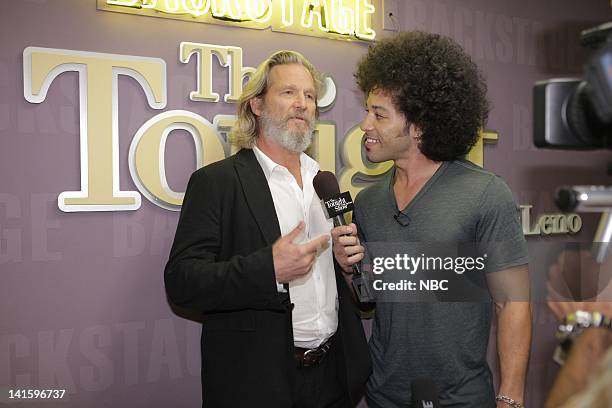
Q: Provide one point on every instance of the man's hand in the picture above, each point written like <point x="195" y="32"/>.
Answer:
<point x="346" y="246"/>
<point x="583" y="365"/>
<point x="293" y="260"/>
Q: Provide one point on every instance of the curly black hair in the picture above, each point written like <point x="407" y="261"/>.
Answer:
<point x="435" y="84"/>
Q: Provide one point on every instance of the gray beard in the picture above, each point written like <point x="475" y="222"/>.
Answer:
<point x="276" y="130"/>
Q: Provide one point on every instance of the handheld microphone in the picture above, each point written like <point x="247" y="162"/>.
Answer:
<point x="424" y="393"/>
<point x="336" y="205"/>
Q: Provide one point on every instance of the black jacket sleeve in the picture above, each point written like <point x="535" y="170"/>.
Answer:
<point x="204" y="271"/>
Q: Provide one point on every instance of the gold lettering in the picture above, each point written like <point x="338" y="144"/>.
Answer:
<point x="196" y="7"/>
<point x="125" y="3"/>
<point x="312" y="9"/>
<point x="146" y="158"/>
<point x="99" y="138"/>
<point x="323" y="147"/>
<point x="549" y="223"/>
<point x="546" y="224"/>
<point x="259" y="10"/>
<point x="476" y="155"/>
<point x="364" y="10"/>
<point x="287" y="13"/>
<point x="525" y="218"/>
<point x="337" y="19"/>
<point x="228" y="57"/>
<point x="574" y="223"/>
<point x="152" y="4"/>
<point x="223" y="124"/>
<point x="342" y="18"/>
<point x="559" y="223"/>
<point x="237" y="74"/>
<point x="204" y="54"/>
<point x="226" y="9"/>
<point x="172" y="6"/>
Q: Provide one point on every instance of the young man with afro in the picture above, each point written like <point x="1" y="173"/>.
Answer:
<point x="426" y="102"/>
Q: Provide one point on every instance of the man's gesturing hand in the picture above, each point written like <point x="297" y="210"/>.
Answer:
<point x="347" y="248"/>
<point x="294" y="260"/>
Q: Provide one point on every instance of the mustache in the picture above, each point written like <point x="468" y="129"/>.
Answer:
<point x="282" y="121"/>
<point x="305" y="118"/>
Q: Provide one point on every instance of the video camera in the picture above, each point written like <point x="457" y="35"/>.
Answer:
<point x="576" y="114"/>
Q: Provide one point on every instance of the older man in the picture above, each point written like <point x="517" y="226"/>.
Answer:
<point x="251" y="253"/>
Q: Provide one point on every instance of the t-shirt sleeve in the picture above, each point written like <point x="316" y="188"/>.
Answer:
<point x="499" y="232"/>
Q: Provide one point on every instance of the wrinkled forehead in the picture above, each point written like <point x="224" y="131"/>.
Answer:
<point x="291" y="75"/>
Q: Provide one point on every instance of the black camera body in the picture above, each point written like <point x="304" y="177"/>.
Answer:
<point x="576" y="114"/>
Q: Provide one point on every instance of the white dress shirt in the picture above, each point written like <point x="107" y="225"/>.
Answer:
<point x="315" y="315"/>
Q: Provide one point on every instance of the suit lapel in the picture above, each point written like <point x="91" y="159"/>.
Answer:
<point x="257" y="194"/>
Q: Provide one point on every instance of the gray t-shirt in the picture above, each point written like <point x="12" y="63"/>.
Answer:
<point x="442" y="341"/>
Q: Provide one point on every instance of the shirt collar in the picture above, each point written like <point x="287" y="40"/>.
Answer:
<point x="307" y="163"/>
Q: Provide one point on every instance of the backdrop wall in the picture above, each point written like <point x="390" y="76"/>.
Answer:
<point x="82" y="302"/>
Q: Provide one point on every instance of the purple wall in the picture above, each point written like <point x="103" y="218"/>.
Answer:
<point x="82" y="303"/>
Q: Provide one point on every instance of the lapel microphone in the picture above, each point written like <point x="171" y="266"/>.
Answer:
<point x="401" y="218"/>
<point x="336" y="205"/>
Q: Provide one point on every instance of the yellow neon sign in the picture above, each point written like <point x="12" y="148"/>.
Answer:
<point x="337" y="19"/>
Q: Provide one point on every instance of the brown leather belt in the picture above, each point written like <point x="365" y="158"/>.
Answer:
<point x="309" y="357"/>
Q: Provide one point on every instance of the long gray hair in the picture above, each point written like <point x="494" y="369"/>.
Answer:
<point x="245" y="131"/>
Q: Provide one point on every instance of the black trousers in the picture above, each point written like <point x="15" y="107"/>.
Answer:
<point x="321" y="386"/>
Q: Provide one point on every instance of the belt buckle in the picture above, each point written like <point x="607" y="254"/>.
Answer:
<point x="312" y="357"/>
<point x="316" y="355"/>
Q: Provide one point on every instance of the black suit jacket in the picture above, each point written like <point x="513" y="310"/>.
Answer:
<point x="221" y="265"/>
